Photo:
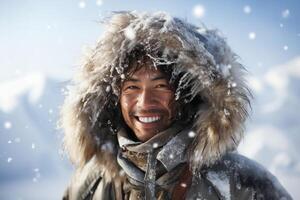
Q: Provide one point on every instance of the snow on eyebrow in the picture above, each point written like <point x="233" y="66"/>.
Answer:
<point x="221" y="181"/>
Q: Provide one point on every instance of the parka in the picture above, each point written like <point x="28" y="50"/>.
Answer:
<point x="215" y="100"/>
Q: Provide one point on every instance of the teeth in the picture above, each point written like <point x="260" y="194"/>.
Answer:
<point x="149" y="119"/>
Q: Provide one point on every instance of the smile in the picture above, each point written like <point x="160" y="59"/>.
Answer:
<point x="149" y="119"/>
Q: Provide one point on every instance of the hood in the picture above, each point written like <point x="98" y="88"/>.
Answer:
<point x="200" y="56"/>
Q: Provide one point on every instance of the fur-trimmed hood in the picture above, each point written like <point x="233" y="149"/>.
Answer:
<point x="202" y="59"/>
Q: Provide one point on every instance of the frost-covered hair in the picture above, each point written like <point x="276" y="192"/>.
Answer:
<point x="207" y="75"/>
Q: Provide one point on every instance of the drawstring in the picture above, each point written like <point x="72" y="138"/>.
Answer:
<point x="150" y="176"/>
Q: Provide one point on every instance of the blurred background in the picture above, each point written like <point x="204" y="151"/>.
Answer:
<point x="41" y="46"/>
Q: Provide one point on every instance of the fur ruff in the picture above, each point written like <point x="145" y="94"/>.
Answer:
<point x="211" y="70"/>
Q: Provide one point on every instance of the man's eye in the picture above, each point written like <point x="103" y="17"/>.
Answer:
<point x="131" y="87"/>
<point x="162" y="86"/>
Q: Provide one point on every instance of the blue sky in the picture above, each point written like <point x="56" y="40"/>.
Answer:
<point x="48" y="36"/>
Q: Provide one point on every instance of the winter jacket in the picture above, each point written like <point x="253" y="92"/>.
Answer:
<point x="212" y="93"/>
<point x="232" y="177"/>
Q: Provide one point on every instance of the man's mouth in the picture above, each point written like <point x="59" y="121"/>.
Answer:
<point x="148" y="119"/>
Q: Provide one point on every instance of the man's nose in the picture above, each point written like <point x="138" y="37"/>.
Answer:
<point x="146" y="99"/>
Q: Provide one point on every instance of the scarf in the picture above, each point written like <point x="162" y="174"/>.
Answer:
<point x="153" y="167"/>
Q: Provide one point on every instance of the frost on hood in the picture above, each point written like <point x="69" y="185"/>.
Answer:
<point x="210" y="84"/>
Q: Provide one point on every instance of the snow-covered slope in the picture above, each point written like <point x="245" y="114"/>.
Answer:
<point x="273" y="132"/>
<point x="29" y="140"/>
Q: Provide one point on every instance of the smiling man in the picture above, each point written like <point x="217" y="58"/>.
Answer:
<point x="147" y="102"/>
<point x="157" y="112"/>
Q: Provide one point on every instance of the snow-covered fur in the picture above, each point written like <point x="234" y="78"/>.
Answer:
<point x="201" y="57"/>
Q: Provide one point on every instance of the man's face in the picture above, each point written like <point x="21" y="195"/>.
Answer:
<point x="147" y="102"/>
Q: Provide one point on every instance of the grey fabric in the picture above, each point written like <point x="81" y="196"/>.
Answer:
<point x="173" y="141"/>
<point x="247" y="180"/>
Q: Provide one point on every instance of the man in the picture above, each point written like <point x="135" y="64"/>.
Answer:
<point x="157" y="112"/>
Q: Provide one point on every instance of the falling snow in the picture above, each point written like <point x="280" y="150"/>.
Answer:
<point x="9" y="159"/>
<point x="247" y="9"/>
<point x="99" y="2"/>
<point x="285" y="13"/>
<point x="199" y="11"/>
<point x="183" y="185"/>
<point x="155" y="145"/>
<point x="81" y="4"/>
<point x="285" y="47"/>
<point x="192" y="134"/>
<point x="252" y="35"/>
<point x="7" y="125"/>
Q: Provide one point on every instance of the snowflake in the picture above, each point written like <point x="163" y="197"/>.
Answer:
<point x="199" y="11"/>
<point x="285" y="13"/>
<point x="252" y="35"/>
<point x="247" y="9"/>
<point x="7" y="125"/>
<point x="99" y="2"/>
<point x="285" y="47"/>
<point x="155" y="145"/>
<point x="81" y="4"/>
<point x="9" y="159"/>
<point x="192" y="134"/>
<point x="183" y="185"/>
<point x="33" y="146"/>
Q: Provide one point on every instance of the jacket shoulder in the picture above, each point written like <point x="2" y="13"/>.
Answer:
<point x="84" y="181"/>
<point x="247" y="176"/>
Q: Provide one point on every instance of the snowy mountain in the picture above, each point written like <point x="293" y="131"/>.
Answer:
<point x="273" y="131"/>
<point x="29" y="140"/>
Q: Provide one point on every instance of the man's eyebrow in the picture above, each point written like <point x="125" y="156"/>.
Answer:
<point x="158" y="78"/>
